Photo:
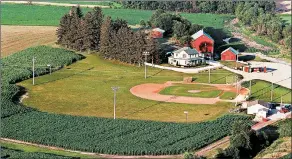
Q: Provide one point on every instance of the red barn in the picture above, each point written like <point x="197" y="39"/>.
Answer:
<point x="229" y="54"/>
<point x="157" y="33"/>
<point x="203" y="42"/>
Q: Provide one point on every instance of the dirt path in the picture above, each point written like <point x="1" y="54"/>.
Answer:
<point x="245" y="39"/>
<point x="212" y="146"/>
<point x="57" y="4"/>
<point x="151" y="91"/>
<point x="94" y="155"/>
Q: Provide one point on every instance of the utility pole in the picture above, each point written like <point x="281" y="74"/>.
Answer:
<point x="249" y="87"/>
<point x="186" y="113"/>
<point x="152" y="61"/>
<point x="115" y="89"/>
<point x="33" y="60"/>
<point x="145" y="53"/>
<point x="236" y="89"/>
<point x="236" y="59"/>
<point x="272" y="91"/>
<point x="209" y="75"/>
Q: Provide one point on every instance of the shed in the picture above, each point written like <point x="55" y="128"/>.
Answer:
<point x="157" y="33"/>
<point x="229" y="54"/>
<point x="254" y="109"/>
<point x="203" y="42"/>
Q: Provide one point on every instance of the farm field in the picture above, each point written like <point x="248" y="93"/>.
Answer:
<point x="17" y="38"/>
<point x="84" y="88"/>
<point x="262" y="90"/>
<point x="26" y="15"/>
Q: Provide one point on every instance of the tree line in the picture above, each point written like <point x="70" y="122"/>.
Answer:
<point x="174" y="25"/>
<point x="193" y="6"/>
<point x="264" y="22"/>
<point x="112" y="38"/>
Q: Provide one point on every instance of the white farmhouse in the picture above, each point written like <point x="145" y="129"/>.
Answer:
<point x="186" y="57"/>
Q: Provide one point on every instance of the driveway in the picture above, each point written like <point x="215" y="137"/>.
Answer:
<point x="278" y="73"/>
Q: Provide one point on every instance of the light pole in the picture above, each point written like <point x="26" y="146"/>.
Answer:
<point x="209" y="75"/>
<point x="272" y="91"/>
<point x="33" y="60"/>
<point x="237" y="59"/>
<point x="115" y="89"/>
<point x="186" y="113"/>
<point x="249" y="87"/>
<point x="49" y="65"/>
<point x="145" y="53"/>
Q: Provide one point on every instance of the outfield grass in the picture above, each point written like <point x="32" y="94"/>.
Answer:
<point x="84" y="88"/>
<point x="228" y="95"/>
<point x="30" y="148"/>
<point x="182" y="90"/>
<point x="262" y="90"/>
<point x="20" y="14"/>
<point x="218" y="76"/>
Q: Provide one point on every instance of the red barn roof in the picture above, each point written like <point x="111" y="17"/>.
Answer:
<point x="200" y="33"/>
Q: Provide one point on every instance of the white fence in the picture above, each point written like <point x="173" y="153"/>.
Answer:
<point x="214" y="65"/>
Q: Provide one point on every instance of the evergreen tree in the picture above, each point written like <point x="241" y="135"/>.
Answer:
<point x="62" y="30"/>
<point x="105" y="37"/>
<point x="92" y="26"/>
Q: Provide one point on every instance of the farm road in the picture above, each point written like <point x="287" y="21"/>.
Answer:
<point x="57" y="4"/>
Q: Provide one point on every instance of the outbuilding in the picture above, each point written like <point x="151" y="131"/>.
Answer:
<point x="229" y="54"/>
<point x="257" y="108"/>
<point x="157" y="33"/>
<point x="203" y="43"/>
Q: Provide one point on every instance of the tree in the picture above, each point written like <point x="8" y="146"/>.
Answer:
<point x="118" y="23"/>
<point x="62" y="31"/>
<point x="288" y="43"/>
<point x="105" y="37"/>
<point x="287" y="31"/>
<point x="91" y="30"/>
<point x="180" y="29"/>
<point x="165" y="21"/>
<point x="143" y="23"/>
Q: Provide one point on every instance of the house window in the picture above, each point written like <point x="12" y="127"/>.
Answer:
<point x="184" y="55"/>
<point x="176" y="55"/>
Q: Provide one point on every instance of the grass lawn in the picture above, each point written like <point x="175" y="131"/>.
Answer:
<point x="84" y="88"/>
<point x="262" y="90"/>
<point x="20" y="14"/>
<point x="228" y="95"/>
<point x="286" y="18"/>
<point x="182" y="90"/>
<point x="30" y="148"/>
<point x="232" y="64"/>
